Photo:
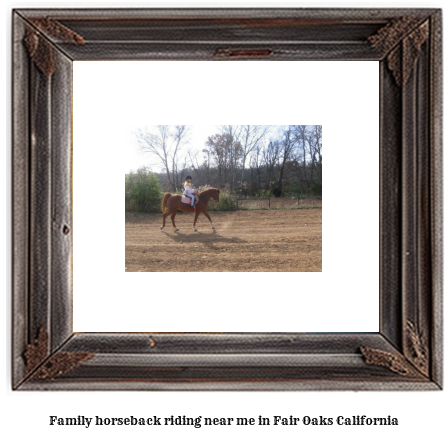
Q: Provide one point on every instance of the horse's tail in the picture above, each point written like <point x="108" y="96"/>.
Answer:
<point x="164" y="201"/>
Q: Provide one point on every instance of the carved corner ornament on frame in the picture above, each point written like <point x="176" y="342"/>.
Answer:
<point x="406" y="354"/>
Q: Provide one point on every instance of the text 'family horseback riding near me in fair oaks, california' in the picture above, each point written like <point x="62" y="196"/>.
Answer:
<point x="199" y="421"/>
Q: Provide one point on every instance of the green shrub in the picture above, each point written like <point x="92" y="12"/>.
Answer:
<point x="143" y="193"/>
<point x="227" y="201"/>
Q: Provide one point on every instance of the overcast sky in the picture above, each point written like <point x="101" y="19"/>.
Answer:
<point x="135" y="158"/>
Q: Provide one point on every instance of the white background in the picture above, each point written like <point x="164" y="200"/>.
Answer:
<point x="419" y="414"/>
<point x="342" y="298"/>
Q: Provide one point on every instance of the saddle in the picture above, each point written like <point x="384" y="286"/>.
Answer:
<point x="187" y="200"/>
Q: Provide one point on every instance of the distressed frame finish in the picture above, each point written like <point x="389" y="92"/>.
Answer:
<point x="406" y="354"/>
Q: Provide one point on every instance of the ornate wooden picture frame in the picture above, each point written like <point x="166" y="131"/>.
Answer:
<point x="406" y="353"/>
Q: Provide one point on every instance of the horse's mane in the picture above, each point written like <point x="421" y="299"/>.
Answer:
<point x="208" y="190"/>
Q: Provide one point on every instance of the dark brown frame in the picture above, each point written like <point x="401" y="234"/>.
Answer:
<point x="406" y="354"/>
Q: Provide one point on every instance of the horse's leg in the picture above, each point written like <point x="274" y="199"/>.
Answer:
<point x="196" y="214"/>
<point x="209" y="218"/>
<point x="166" y="214"/>
<point x="172" y="220"/>
<point x="164" y="217"/>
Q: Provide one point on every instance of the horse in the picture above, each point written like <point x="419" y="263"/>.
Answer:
<point x="172" y="203"/>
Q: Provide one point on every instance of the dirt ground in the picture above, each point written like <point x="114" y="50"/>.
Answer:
<point x="244" y="241"/>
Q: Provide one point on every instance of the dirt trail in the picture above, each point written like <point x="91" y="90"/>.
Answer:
<point x="244" y="241"/>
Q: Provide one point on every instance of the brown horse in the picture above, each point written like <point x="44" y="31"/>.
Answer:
<point x="172" y="203"/>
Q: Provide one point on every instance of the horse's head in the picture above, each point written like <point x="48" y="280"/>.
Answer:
<point x="215" y="195"/>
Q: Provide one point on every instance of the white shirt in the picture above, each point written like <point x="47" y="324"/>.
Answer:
<point x="188" y="188"/>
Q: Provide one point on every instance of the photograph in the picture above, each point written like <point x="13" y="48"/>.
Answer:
<point x="267" y="219"/>
<point x="228" y="198"/>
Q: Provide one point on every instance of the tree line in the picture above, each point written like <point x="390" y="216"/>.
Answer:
<point x="247" y="160"/>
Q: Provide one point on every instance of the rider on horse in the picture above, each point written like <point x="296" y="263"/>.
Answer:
<point x="171" y="204"/>
<point x="188" y="189"/>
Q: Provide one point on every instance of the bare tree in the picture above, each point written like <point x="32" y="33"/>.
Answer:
<point x="287" y="145"/>
<point x="218" y="152"/>
<point x="199" y="168"/>
<point x="182" y="173"/>
<point x="233" y="133"/>
<point x="248" y="137"/>
<point x="315" y="144"/>
<point x="315" y="139"/>
<point x="255" y="168"/>
<point x="251" y="137"/>
<point x="233" y="130"/>
<point x="300" y="133"/>
<point x="270" y="157"/>
<point x="226" y="153"/>
<point x="164" y="142"/>
<point x="207" y="163"/>
<point x="180" y="136"/>
<point x="308" y="156"/>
